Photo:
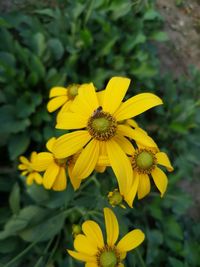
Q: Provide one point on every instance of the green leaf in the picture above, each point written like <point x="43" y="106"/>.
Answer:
<point x="45" y="230"/>
<point x="18" y="144"/>
<point x="39" y="44"/>
<point x="151" y="14"/>
<point x="175" y="263"/>
<point x="56" y="48"/>
<point x="14" y="199"/>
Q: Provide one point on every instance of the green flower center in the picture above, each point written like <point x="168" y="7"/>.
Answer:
<point x="108" y="259"/>
<point x="144" y="161"/>
<point x="101" y="125"/>
<point x="73" y="90"/>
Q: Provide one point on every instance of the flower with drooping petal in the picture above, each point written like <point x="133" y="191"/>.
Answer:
<point x="61" y="97"/>
<point x="91" y="248"/>
<point x="145" y="163"/>
<point x="28" y="169"/>
<point x="55" y="169"/>
<point x="98" y="121"/>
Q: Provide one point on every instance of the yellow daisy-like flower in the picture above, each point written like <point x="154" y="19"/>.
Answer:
<point x="115" y="199"/>
<point x="91" y="248"/>
<point x="55" y="169"/>
<point x="145" y="163"/>
<point x="98" y="119"/>
<point x="28" y="170"/>
<point x="62" y="97"/>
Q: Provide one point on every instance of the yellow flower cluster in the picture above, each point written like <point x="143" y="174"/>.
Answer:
<point x="100" y="133"/>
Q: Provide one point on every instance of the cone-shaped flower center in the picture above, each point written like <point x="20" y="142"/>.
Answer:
<point x="143" y="161"/>
<point x="101" y="125"/>
<point x="73" y="90"/>
<point x="108" y="259"/>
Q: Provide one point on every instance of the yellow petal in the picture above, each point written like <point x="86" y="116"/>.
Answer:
<point x="100" y="97"/>
<point x="50" y="143"/>
<point x="114" y="93"/>
<point x="136" y="135"/>
<point x="50" y="175"/>
<point x="100" y="169"/>
<point x="93" y="232"/>
<point x="69" y="121"/>
<point x="120" y="165"/>
<point x="132" y="123"/>
<point x="112" y="227"/>
<point x="69" y="144"/>
<point x="131" y="240"/>
<point x="163" y="159"/>
<point x="57" y="91"/>
<point x="44" y="159"/>
<point x="91" y="264"/>
<point x="144" y="186"/>
<point x="125" y="144"/>
<point x="24" y="173"/>
<point x="56" y="103"/>
<point x="30" y="179"/>
<point x="74" y="181"/>
<point x="83" y="245"/>
<point x="86" y="102"/>
<point x="37" y="178"/>
<point x="160" y="180"/>
<point x="60" y="183"/>
<point x="64" y="108"/>
<point x="87" y="160"/>
<point x="33" y="156"/>
<point x="24" y="160"/>
<point x="81" y="256"/>
<point x="129" y="196"/>
<point x="137" y="105"/>
<point x="22" y="167"/>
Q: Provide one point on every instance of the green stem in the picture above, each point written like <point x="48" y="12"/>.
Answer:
<point x="140" y="258"/>
<point x="39" y="261"/>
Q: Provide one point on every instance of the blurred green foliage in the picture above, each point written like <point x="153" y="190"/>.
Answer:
<point x="75" y="42"/>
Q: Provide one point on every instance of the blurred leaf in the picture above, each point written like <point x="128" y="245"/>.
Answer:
<point x="14" y="199"/>
<point x="56" y="48"/>
<point x="39" y="44"/>
<point x="18" y="144"/>
<point x="159" y="36"/>
<point x="176" y="263"/>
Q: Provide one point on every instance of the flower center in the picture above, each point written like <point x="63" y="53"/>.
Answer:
<point x="144" y="161"/>
<point x="101" y="125"/>
<point x="61" y="162"/>
<point x="73" y="90"/>
<point x="108" y="257"/>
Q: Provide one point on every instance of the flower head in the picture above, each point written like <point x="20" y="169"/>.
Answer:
<point x="28" y="169"/>
<point x="91" y="248"/>
<point x="55" y="169"/>
<point x="98" y="121"/>
<point x="146" y="163"/>
<point x="61" y="97"/>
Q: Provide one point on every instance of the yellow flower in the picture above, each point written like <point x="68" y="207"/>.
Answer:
<point x="55" y="169"/>
<point x="98" y="119"/>
<point x="115" y="199"/>
<point x="28" y="170"/>
<point x="145" y="163"/>
<point x="62" y="97"/>
<point x="91" y="248"/>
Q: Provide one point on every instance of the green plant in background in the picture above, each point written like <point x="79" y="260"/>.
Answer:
<point x="82" y="42"/>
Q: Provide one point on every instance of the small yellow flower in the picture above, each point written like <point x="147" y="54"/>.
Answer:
<point x="28" y="170"/>
<point x="98" y="120"/>
<point x="91" y="248"/>
<point x="145" y="163"/>
<point x="62" y="97"/>
<point x="55" y="169"/>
